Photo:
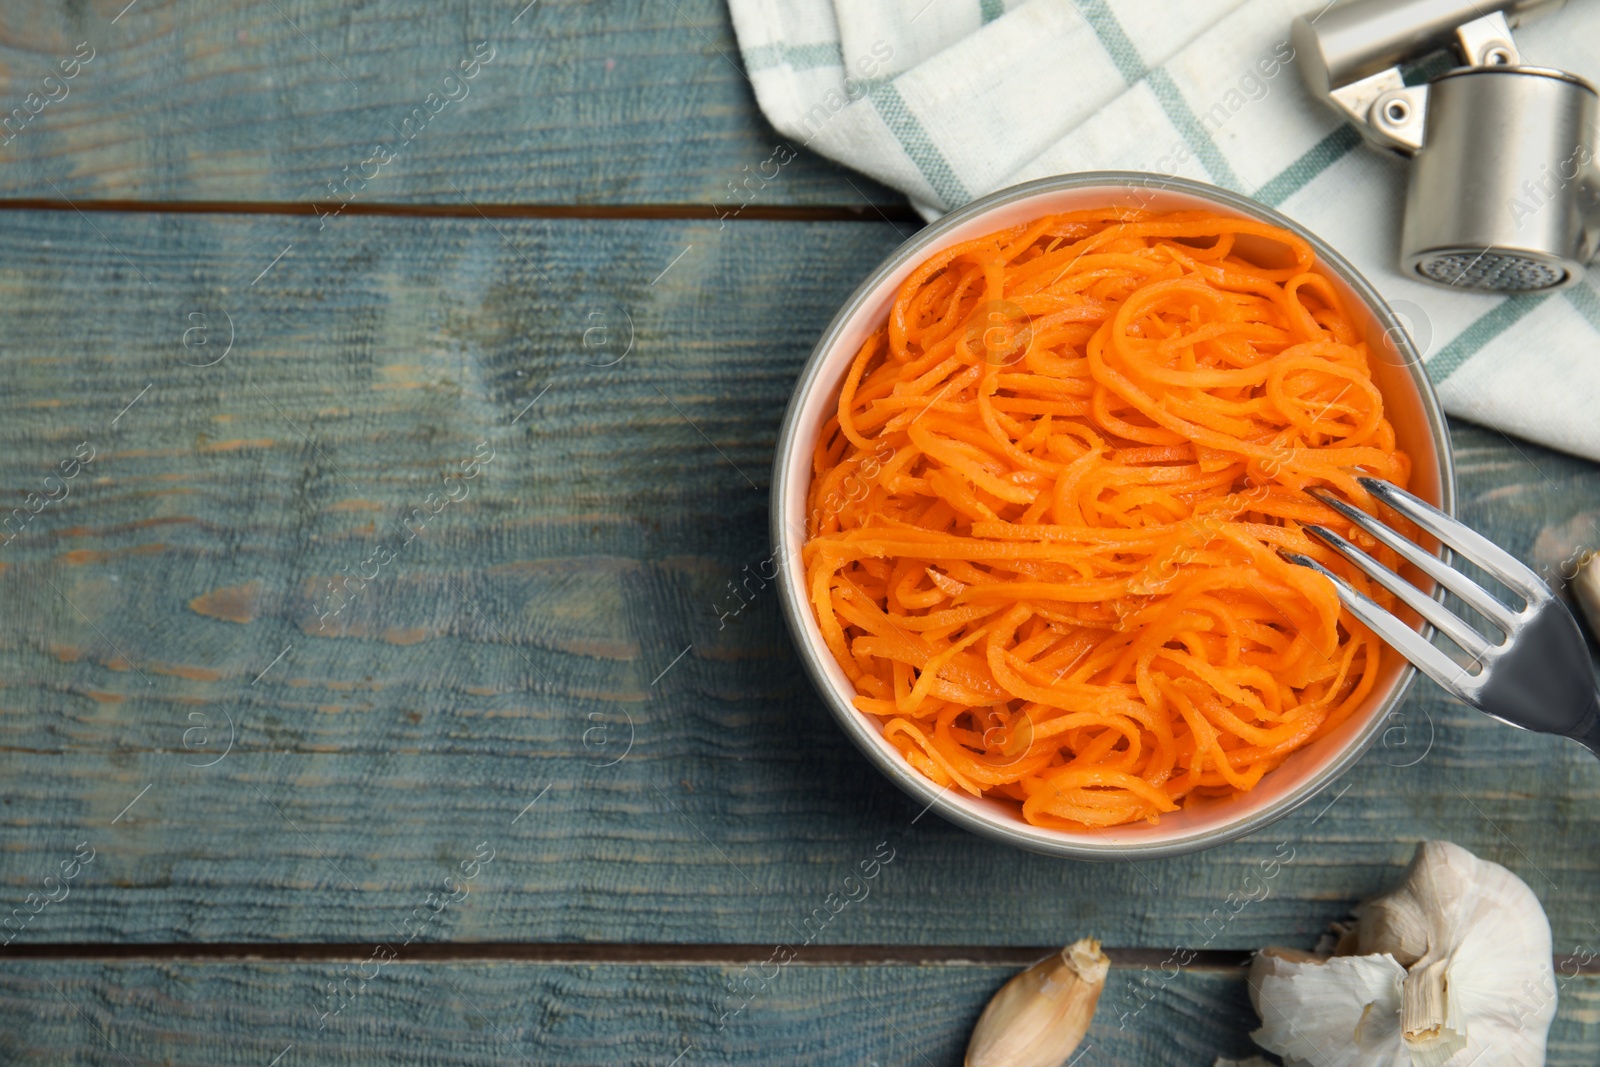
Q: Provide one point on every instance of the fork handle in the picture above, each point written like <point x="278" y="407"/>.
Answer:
<point x="1588" y="734"/>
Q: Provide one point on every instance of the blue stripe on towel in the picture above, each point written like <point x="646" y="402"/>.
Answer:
<point x="1113" y="39"/>
<point x="918" y="145"/>
<point x="1469" y="342"/>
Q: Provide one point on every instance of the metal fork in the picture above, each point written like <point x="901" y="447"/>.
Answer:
<point x="1536" y="677"/>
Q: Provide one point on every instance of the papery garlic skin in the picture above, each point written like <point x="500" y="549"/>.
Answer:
<point x="1339" y="1011"/>
<point x="1454" y="969"/>
<point x="1039" y="1017"/>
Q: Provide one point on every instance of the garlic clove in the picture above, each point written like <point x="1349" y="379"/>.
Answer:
<point x="1340" y="1011"/>
<point x="1039" y="1017"/>
<point x="1396" y="924"/>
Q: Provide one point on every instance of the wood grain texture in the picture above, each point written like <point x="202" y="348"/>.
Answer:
<point x="444" y="1014"/>
<point x="620" y="101"/>
<point x="171" y="600"/>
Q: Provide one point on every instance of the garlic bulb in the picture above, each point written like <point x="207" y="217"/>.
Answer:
<point x="1452" y="967"/>
<point x="1040" y="1016"/>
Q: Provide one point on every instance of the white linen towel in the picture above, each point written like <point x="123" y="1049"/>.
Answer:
<point x="946" y="100"/>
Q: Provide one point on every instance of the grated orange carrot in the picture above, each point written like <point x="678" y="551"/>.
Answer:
<point x="1044" y="520"/>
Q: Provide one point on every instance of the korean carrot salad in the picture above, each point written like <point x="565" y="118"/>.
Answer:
<point x="1044" y="521"/>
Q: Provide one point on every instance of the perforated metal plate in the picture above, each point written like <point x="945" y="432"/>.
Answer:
<point x="1499" y="271"/>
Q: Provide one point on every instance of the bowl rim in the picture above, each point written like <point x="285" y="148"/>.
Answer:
<point x="796" y="608"/>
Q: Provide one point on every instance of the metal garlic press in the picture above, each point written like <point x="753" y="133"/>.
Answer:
<point x="1505" y="184"/>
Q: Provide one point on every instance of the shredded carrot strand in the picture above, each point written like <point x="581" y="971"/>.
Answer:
<point x="1045" y="516"/>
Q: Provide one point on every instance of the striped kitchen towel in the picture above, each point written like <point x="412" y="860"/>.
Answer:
<point x="946" y="100"/>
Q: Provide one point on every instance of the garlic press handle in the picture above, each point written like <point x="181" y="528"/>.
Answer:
<point x="1352" y="40"/>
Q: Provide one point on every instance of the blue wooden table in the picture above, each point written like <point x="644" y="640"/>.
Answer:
<point x="360" y="658"/>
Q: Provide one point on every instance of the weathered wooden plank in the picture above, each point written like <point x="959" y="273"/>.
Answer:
<point x="439" y="1014"/>
<point x="267" y="100"/>
<point x="171" y="600"/>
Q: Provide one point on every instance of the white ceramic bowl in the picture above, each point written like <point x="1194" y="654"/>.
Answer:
<point x="1409" y="402"/>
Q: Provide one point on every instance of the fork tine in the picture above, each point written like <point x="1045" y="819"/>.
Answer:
<point x="1472" y="594"/>
<point x="1474" y="546"/>
<point x="1475" y="644"/>
<point x="1402" y="638"/>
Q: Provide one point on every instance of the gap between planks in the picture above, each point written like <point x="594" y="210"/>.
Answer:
<point x="620" y="954"/>
<point x="615" y="953"/>
<point x="891" y="213"/>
